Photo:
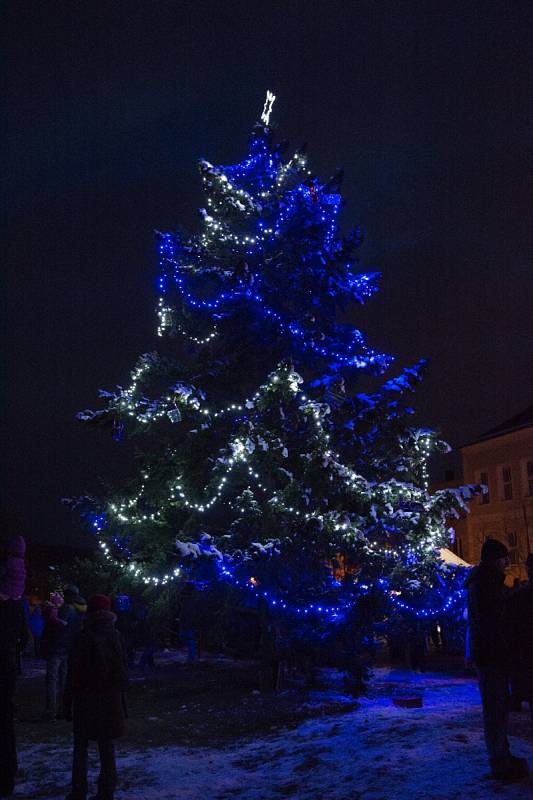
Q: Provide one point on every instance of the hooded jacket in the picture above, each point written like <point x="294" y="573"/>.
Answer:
<point x="485" y="585"/>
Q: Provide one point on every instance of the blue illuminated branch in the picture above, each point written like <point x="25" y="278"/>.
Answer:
<point x="260" y="169"/>
<point x="283" y="210"/>
<point x="368" y="358"/>
<point x="336" y="611"/>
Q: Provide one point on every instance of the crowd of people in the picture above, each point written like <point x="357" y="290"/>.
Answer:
<point x="88" y="648"/>
<point x="86" y="672"/>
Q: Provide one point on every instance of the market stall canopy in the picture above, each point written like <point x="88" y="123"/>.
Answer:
<point x="450" y="558"/>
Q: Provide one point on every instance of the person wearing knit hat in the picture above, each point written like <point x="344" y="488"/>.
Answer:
<point x="490" y="654"/>
<point x="74" y="599"/>
<point x="96" y="681"/>
<point x="493" y="550"/>
<point x="98" y="602"/>
<point x="13" y="637"/>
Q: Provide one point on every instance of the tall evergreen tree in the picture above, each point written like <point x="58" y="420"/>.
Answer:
<point x="257" y="449"/>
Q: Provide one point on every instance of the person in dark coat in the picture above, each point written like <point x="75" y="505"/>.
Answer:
<point x="520" y="624"/>
<point x="96" y="681"/>
<point x="490" y="654"/>
<point x="13" y="638"/>
<point x="56" y="643"/>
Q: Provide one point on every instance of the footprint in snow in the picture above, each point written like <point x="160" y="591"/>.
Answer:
<point x="307" y="764"/>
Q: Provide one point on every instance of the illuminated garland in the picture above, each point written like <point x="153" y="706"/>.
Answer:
<point x="220" y="185"/>
<point x="361" y="284"/>
<point x="335" y="611"/>
<point x="360" y="362"/>
<point x="448" y="604"/>
<point x="134" y="570"/>
<point x="238" y="447"/>
<point x="165" y="314"/>
<point x="277" y="602"/>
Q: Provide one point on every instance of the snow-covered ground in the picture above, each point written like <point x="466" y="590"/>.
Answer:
<point x="378" y="752"/>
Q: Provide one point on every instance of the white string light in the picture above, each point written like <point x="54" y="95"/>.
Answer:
<point x="166" y="322"/>
<point x="137" y="571"/>
<point x="238" y="447"/>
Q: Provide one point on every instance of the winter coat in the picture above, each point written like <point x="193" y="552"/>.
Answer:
<point x="485" y="585"/>
<point x="97" y="679"/>
<point x="519" y="617"/>
<point x="58" y="639"/>
<point x="36" y="622"/>
<point x="13" y="634"/>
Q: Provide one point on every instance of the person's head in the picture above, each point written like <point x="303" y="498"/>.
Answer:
<point x="71" y="594"/>
<point x="529" y="566"/>
<point x="98" y="602"/>
<point x="495" y="552"/>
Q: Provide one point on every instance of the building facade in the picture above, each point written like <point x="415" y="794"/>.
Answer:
<point x="502" y="460"/>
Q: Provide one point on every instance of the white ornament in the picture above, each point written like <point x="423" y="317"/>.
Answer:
<point x="174" y="415"/>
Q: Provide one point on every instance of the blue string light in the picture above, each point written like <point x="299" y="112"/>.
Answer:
<point x="428" y="613"/>
<point x="336" y="611"/>
<point x="360" y="361"/>
<point x="333" y="611"/>
<point x="261" y="188"/>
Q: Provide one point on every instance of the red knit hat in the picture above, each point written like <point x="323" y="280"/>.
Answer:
<point x="98" y="602"/>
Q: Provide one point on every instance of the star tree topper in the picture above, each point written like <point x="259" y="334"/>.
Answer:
<point x="267" y="110"/>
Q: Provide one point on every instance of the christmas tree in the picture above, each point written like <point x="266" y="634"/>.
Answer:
<point x="258" y="453"/>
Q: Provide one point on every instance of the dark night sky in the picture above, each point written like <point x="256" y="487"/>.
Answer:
<point x="428" y="106"/>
